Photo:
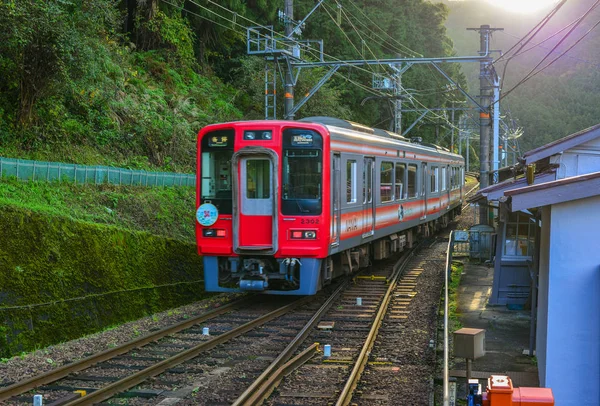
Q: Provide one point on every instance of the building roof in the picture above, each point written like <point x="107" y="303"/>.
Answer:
<point x="558" y="191"/>
<point x="496" y="191"/>
<point x="562" y="144"/>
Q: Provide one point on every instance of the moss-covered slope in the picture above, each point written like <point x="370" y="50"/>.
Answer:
<point x="60" y="278"/>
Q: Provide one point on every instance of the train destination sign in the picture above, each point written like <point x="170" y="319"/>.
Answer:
<point x="218" y="141"/>
<point x="302" y="140"/>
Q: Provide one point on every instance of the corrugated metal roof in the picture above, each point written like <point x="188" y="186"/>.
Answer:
<point x="562" y="144"/>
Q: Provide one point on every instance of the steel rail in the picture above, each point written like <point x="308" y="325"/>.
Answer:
<point x="468" y="193"/>
<point x="264" y="390"/>
<point x="55" y="374"/>
<point x="254" y="394"/>
<point x="139" y="377"/>
<point x="346" y="394"/>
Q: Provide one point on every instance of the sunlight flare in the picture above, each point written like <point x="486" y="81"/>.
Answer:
<point x="523" y="6"/>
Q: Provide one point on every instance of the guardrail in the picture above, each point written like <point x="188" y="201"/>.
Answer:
<point x="24" y="169"/>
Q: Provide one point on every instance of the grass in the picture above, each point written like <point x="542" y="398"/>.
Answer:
<point x="454" y="322"/>
<point x="163" y="211"/>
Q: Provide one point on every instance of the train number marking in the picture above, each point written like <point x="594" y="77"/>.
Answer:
<point x="309" y="221"/>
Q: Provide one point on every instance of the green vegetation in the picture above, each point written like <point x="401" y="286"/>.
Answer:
<point x="94" y="82"/>
<point x="79" y="277"/>
<point x="453" y="319"/>
<point x="163" y="211"/>
<point x="129" y="84"/>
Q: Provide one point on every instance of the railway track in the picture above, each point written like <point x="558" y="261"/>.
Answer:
<point x="251" y="348"/>
<point x="118" y="370"/>
<point x="376" y="346"/>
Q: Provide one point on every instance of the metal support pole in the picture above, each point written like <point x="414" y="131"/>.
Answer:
<point x="468" y="149"/>
<point x="452" y="136"/>
<point x="484" y="114"/>
<point x="289" y="78"/>
<point x="496" y="127"/>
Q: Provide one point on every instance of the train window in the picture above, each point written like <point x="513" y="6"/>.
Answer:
<point x="434" y="174"/>
<point x="520" y="232"/>
<point x="386" y="182"/>
<point x="443" y="177"/>
<point x="301" y="172"/>
<point x="351" y="181"/>
<point x="453" y="180"/>
<point x="301" y="179"/>
<point x="258" y="179"/>
<point x="412" y="181"/>
<point x="400" y="181"/>
<point x="215" y="169"/>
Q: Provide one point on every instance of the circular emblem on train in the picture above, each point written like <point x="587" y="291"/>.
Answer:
<point x="207" y="214"/>
<point x="400" y="212"/>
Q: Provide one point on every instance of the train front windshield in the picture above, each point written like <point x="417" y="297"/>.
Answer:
<point x="302" y="173"/>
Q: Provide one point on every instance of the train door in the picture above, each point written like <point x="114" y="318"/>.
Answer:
<point x="336" y="192"/>
<point x="254" y="217"/>
<point x="368" y="200"/>
<point x="424" y="192"/>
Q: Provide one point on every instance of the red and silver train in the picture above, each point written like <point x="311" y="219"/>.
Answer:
<point x="284" y="207"/>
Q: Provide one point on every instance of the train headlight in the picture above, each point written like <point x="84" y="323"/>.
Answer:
<point x="258" y="135"/>
<point x="303" y="234"/>
<point x="311" y="235"/>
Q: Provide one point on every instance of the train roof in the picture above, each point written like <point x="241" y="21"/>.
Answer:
<point x="350" y="125"/>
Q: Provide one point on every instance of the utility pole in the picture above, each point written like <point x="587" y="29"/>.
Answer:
<point x="289" y="79"/>
<point x="486" y="83"/>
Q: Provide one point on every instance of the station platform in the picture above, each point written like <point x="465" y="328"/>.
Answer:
<point x="506" y="333"/>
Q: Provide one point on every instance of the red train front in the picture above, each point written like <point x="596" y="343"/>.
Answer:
<point x="263" y="222"/>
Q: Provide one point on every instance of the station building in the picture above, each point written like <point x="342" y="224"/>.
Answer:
<point x="547" y="255"/>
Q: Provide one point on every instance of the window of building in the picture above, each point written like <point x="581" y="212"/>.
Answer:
<point x="400" y="181"/>
<point x="520" y="234"/>
<point x="412" y="181"/>
<point x="386" y="183"/>
<point x="351" y="181"/>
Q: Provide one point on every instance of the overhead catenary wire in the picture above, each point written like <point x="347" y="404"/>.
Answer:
<point x="531" y="73"/>
<point x="536" y="30"/>
<point x="538" y="45"/>
<point x="348" y="38"/>
<point x="310" y="49"/>
<point x="374" y="24"/>
<point x="532" y="32"/>
<point x="551" y="62"/>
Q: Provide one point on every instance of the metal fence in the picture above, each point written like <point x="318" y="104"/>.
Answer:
<point x="56" y="171"/>
<point x="477" y="243"/>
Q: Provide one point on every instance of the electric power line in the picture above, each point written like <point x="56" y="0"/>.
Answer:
<point x="551" y="62"/>
<point x="531" y="73"/>
<point x="370" y="90"/>
<point x="531" y="32"/>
